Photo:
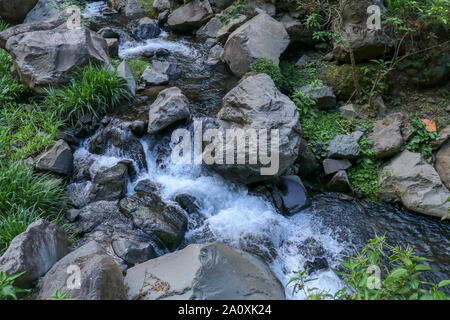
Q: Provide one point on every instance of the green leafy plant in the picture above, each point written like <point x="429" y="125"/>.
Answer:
<point x="3" y="25"/>
<point x="304" y="103"/>
<point x="421" y="139"/>
<point x="62" y="295"/>
<point x="7" y="289"/>
<point x="232" y="12"/>
<point x="93" y="89"/>
<point x="379" y="271"/>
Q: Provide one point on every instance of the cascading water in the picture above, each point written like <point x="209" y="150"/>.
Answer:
<point x="329" y="229"/>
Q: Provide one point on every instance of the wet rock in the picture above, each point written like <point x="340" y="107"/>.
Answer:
<point x="34" y="252"/>
<point x="343" y="147"/>
<point x="170" y="106"/>
<point x="210" y="42"/>
<point x="224" y="31"/>
<point x="255" y="103"/>
<point x="139" y="128"/>
<point x="118" y="137"/>
<point x="162" y="17"/>
<point x="100" y="277"/>
<point x="212" y="271"/>
<point x="147" y="186"/>
<point x="293" y="195"/>
<point x="110" y="183"/>
<point x="443" y="163"/>
<point x="133" y="252"/>
<point x="59" y="159"/>
<point x="331" y="165"/>
<point x="61" y="51"/>
<point x="310" y="248"/>
<point x="350" y="111"/>
<point x="190" y="16"/>
<point x="210" y="29"/>
<point x="132" y="9"/>
<point x="160" y="72"/>
<point x="214" y="55"/>
<point x="387" y="137"/>
<point x="339" y="182"/>
<point x="124" y="71"/>
<point x="156" y="218"/>
<point x="187" y="202"/>
<point x="113" y="46"/>
<point x="115" y="33"/>
<point x="409" y="179"/>
<point x="316" y="265"/>
<point x="323" y="95"/>
<point x="147" y="29"/>
<point x="365" y="43"/>
<point x="15" y="10"/>
<point x="260" y="37"/>
<point x="307" y="163"/>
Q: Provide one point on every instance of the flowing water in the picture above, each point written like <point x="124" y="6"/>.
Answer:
<point x="330" y="228"/>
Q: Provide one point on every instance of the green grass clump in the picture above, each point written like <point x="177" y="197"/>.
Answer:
<point x="93" y="89"/>
<point x="264" y="65"/>
<point x="3" y="25"/>
<point x="10" y="88"/>
<point x="26" y="197"/>
<point x="137" y="67"/>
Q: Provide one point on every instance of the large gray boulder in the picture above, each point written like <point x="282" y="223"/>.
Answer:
<point x="256" y="104"/>
<point x="34" y="252"/>
<point x="147" y="28"/>
<point x="443" y="163"/>
<point x="260" y="37"/>
<point x="190" y="16"/>
<point x="211" y="271"/>
<point x="59" y="159"/>
<point x="44" y="58"/>
<point x="387" y="136"/>
<point x="160" y="72"/>
<point x="100" y="278"/>
<point x="170" y="106"/>
<point x="165" y="221"/>
<point x="44" y="10"/>
<point x="15" y="10"/>
<point x="225" y="30"/>
<point x="110" y="183"/>
<point x="210" y="29"/>
<point x="409" y="179"/>
<point x="343" y="147"/>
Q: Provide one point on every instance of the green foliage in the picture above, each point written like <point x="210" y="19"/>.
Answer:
<point x="421" y="139"/>
<point x="61" y="295"/>
<point x="373" y="77"/>
<point x="10" y="88"/>
<point x="335" y="38"/>
<point x="365" y="173"/>
<point x="304" y="103"/>
<point x="264" y="65"/>
<point x="7" y="289"/>
<point x="368" y="277"/>
<point x="321" y="127"/>
<point x="448" y="212"/>
<point x="431" y="11"/>
<point x="3" y="25"/>
<point x="26" y="197"/>
<point x="137" y="67"/>
<point x="233" y="11"/>
<point x="95" y="90"/>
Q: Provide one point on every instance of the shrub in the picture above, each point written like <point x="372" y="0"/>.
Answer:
<point x="421" y="139"/>
<point x="264" y="65"/>
<point x="7" y="289"/>
<point x="95" y="90"/>
<point x="369" y="277"/>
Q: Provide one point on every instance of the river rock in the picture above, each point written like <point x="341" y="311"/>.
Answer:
<point x="343" y="147"/>
<point x="332" y="166"/>
<point x="256" y="104"/>
<point x="147" y="29"/>
<point x="225" y="30"/>
<point x="260" y="37"/>
<point x="299" y="34"/>
<point x="409" y="179"/>
<point x="34" y="252"/>
<point x="214" y="55"/>
<point x="118" y="136"/>
<point x="443" y="163"/>
<point x="115" y="33"/>
<point x="133" y="9"/>
<point x="162" y="5"/>
<point x="44" y="10"/>
<point x="339" y="182"/>
<point x="100" y="277"/>
<point x="293" y="195"/>
<point x="219" y="5"/>
<point x="156" y="218"/>
<point x="133" y="252"/>
<point x="124" y="71"/>
<point x="387" y="137"/>
<point x="44" y="58"/>
<point x="59" y="159"/>
<point x="15" y="11"/>
<point x="110" y="183"/>
<point x="170" y="106"/>
<point x="160" y="72"/>
<point x="190" y="16"/>
<point x="323" y="95"/>
<point x="211" y="271"/>
<point x="187" y="202"/>
<point x="307" y="163"/>
<point x="209" y="29"/>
